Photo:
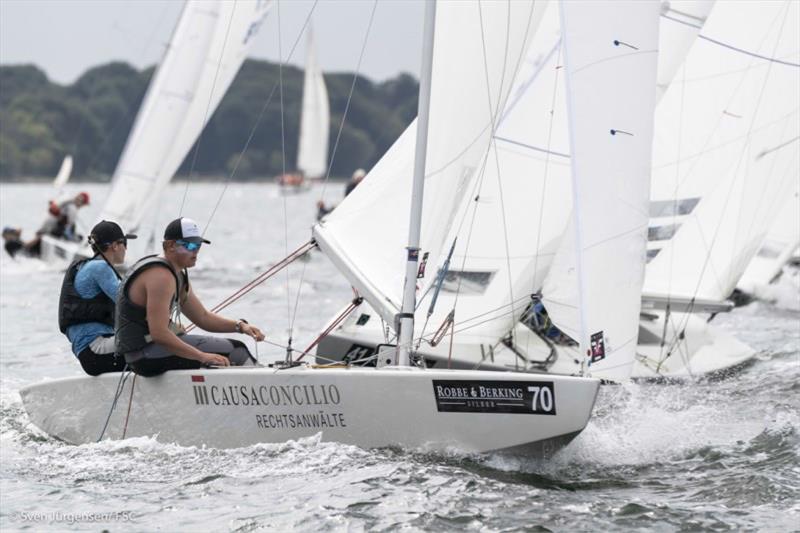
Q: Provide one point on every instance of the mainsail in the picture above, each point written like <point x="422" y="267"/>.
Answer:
<point x="209" y="44"/>
<point x="312" y="154"/>
<point x="477" y="51"/>
<point x="727" y="150"/>
<point x="610" y="54"/>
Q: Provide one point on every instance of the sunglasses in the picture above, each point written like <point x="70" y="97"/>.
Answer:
<point x="190" y="246"/>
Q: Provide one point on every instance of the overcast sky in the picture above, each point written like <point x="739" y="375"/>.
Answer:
<point x="65" y="37"/>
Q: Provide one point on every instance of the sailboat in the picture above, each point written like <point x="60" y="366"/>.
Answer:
<point x="780" y="246"/>
<point x="64" y="173"/>
<point x="687" y="345"/>
<point x="473" y="411"/>
<point x="312" y="146"/>
<point x="208" y="45"/>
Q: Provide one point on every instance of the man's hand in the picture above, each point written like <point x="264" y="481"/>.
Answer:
<point x="252" y="331"/>
<point x="215" y="360"/>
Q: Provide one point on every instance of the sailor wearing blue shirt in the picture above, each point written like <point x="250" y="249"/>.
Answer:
<point x="87" y="300"/>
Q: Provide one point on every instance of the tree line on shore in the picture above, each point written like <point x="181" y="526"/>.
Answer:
<point x="41" y="121"/>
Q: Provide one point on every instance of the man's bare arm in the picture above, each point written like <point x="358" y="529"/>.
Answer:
<point x="159" y="287"/>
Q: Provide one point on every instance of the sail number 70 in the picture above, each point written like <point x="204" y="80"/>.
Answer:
<point x="542" y="400"/>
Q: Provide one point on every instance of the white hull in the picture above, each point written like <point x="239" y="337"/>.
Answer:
<point x="230" y="408"/>
<point x="55" y="250"/>
<point x="703" y="350"/>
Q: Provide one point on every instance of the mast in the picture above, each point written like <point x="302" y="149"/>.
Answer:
<point x="405" y="320"/>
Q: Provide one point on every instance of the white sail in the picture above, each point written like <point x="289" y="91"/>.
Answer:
<point x="508" y="250"/>
<point x="780" y="244"/>
<point x="727" y="149"/>
<point x="681" y="22"/>
<point x="64" y="173"/>
<point x="364" y="236"/>
<point x="610" y="54"/>
<point x="207" y="48"/>
<point x="509" y="234"/>
<point x="312" y="151"/>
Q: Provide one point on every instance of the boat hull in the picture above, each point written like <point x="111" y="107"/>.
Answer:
<point x="56" y="251"/>
<point x="699" y="349"/>
<point x="408" y="408"/>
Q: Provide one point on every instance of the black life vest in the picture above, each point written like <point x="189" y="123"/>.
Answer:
<point x="75" y="309"/>
<point x="132" y="331"/>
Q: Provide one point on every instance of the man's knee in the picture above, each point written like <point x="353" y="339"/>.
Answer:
<point x="239" y="355"/>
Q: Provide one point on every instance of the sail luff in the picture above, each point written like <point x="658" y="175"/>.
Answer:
<point x="611" y="57"/>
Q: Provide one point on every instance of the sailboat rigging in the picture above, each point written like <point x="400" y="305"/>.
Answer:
<point x="473" y="411"/>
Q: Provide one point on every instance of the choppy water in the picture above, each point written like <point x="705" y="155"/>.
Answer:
<point x="711" y="455"/>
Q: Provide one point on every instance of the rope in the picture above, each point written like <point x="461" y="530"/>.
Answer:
<point x="130" y="402"/>
<point x="258" y="280"/>
<point x="120" y="384"/>
<point x="355" y="303"/>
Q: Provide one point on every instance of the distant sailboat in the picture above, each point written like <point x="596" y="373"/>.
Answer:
<point x="64" y="173"/>
<point x="432" y="410"/>
<point x="776" y="253"/>
<point x="209" y="44"/>
<point x="312" y="147"/>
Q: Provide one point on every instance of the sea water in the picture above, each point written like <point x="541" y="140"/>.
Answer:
<point x="720" y="454"/>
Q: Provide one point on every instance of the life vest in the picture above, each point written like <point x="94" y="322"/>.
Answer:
<point x="75" y="309"/>
<point x="132" y="331"/>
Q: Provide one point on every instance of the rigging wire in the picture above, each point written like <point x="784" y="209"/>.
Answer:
<point x="122" y="117"/>
<point x="494" y="112"/>
<point x="674" y="209"/>
<point x="493" y="145"/>
<point x="349" y="98"/>
<point x="336" y="144"/>
<point x="546" y="174"/>
<point x="685" y="319"/>
<point x="208" y="107"/>
<point x="253" y="130"/>
<point x="283" y="168"/>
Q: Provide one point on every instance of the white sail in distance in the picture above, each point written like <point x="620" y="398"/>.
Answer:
<point x="780" y="244"/>
<point x="365" y="235"/>
<point x="610" y="52"/>
<point x="209" y="44"/>
<point x="727" y="149"/>
<point x="64" y="173"/>
<point x="315" y="117"/>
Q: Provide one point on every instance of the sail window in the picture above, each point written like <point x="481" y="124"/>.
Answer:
<point x="652" y="253"/>
<point x="661" y="233"/>
<point x="769" y="252"/>
<point x="473" y="282"/>
<point x="669" y="208"/>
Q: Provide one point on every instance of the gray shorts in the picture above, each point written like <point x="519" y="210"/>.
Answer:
<point x="236" y="351"/>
